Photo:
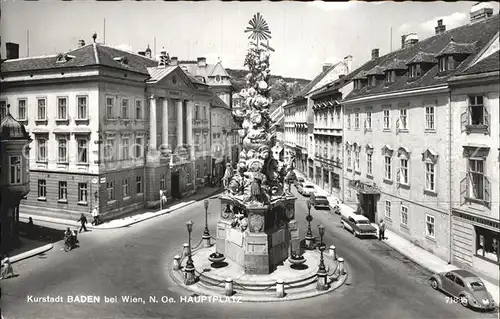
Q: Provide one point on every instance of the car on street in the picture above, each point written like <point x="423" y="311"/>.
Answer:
<point x="464" y="287"/>
<point x="359" y="225"/>
<point x="319" y="200"/>
<point x="307" y="189"/>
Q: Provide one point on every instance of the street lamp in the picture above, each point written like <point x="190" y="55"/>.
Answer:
<point x="322" y="268"/>
<point x="189" y="264"/>
<point x="309" y="234"/>
<point x="206" y="232"/>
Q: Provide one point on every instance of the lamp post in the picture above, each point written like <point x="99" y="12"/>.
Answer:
<point x="190" y="279"/>
<point x="206" y="232"/>
<point x="322" y="273"/>
<point x="309" y="234"/>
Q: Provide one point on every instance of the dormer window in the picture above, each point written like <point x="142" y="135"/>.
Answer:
<point x="121" y="59"/>
<point x="390" y="76"/>
<point x="373" y="80"/>
<point x="415" y="71"/>
<point x="62" y="58"/>
<point x="446" y="63"/>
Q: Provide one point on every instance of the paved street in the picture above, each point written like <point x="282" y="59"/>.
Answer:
<point x="133" y="261"/>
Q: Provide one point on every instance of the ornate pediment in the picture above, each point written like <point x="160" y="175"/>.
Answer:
<point x="387" y="150"/>
<point x="404" y="152"/>
<point x="471" y="151"/>
<point x="430" y="155"/>
<point x="369" y="148"/>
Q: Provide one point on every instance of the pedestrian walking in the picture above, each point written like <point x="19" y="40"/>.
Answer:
<point x="83" y="222"/>
<point x="381" y="231"/>
<point x="95" y="216"/>
<point x="7" y="269"/>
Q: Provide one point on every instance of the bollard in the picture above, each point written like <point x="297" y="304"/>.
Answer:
<point x="229" y="287"/>
<point x="206" y="241"/>
<point x="332" y="252"/>
<point x="341" y="266"/>
<point x="280" y="288"/>
<point x="177" y="262"/>
<point x="322" y="283"/>
<point x="185" y="250"/>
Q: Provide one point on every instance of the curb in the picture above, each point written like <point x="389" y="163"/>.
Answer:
<point x="156" y="214"/>
<point x="308" y="294"/>
<point x="31" y="253"/>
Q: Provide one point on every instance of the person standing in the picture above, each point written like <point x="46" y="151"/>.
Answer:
<point x="381" y="231"/>
<point x="83" y="222"/>
<point x="95" y="216"/>
<point x="7" y="268"/>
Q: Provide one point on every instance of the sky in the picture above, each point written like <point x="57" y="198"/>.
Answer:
<point x="304" y="35"/>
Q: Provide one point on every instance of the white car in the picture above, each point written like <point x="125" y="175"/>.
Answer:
<point x="308" y="189"/>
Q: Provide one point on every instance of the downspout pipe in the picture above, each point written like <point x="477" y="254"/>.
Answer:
<point x="450" y="178"/>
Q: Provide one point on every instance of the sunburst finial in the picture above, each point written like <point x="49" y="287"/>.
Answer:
<point x="259" y="28"/>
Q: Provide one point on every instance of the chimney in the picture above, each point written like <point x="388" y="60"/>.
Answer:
<point x="348" y="63"/>
<point x="403" y="37"/>
<point x="326" y="66"/>
<point x="81" y="43"/>
<point x="174" y="60"/>
<point x="440" y="28"/>
<point x="202" y="62"/>
<point x="12" y="50"/>
<point x="375" y="53"/>
<point x="410" y="39"/>
<point x="480" y="11"/>
<point x="143" y="53"/>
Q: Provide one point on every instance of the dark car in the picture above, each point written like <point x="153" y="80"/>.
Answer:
<point x="319" y="201"/>
<point x="465" y="286"/>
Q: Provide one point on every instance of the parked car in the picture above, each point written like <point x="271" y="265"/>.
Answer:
<point x="465" y="286"/>
<point x="308" y="189"/>
<point x="359" y="225"/>
<point x="319" y="201"/>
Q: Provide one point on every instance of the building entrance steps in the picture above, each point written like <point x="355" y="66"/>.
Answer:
<point x="298" y="283"/>
<point x="138" y="216"/>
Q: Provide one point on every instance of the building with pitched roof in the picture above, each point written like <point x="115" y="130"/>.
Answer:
<point x="111" y="129"/>
<point x="222" y="132"/>
<point x="15" y="177"/>
<point x="299" y="140"/>
<point x="401" y="126"/>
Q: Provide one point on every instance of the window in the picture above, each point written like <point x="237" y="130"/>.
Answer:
<point x="110" y="103"/>
<point x="459" y="282"/>
<point x="198" y="173"/>
<point x="138" y="184"/>
<point x="63" y="190"/>
<point x="349" y="121"/>
<point x="21" y="109"/>
<point x="15" y="169"/>
<point x="138" y="147"/>
<point x="373" y="80"/>
<point x="390" y="76"/>
<point x="430" y="222"/>
<point x="109" y="150"/>
<point x="82" y="107"/>
<point x="430" y="177"/>
<point x="162" y="182"/>
<point x="125" y="149"/>
<point x="429" y="117"/>
<point x="404" y="215"/>
<point x="3" y="109"/>
<point x="356" y="158"/>
<point x="356" y="120"/>
<point x="41" y="149"/>
<point x="82" y="192"/>
<point x="388" y="209"/>
<point x="477" y="111"/>
<point x="349" y="158"/>
<point x="125" y="188"/>
<point x="476" y="175"/>
<point x="83" y="149"/>
<point x="62" y="153"/>
<point x="124" y="108"/>
<point x="111" y="191"/>
<point x="415" y="70"/>
<point x="387" y="119"/>
<point x="388" y="167"/>
<point x="450" y="63"/>
<point x="42" y="188"/>
<point x="369" y="164"/>
<point x="442" y="64"/>
<point x="41" y="109"/>
<point x="368" y="120"/>
<point x="403" y="118"/>
<point x="487" y="244"/>
<point x="403" y="173"/>
<point x="138" y="110"/>
<point x="196" y="112"/>
<point x="62" y="108"/>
